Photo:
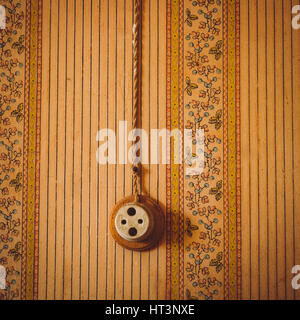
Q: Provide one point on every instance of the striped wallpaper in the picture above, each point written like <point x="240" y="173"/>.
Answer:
<point x="86" y="85"/>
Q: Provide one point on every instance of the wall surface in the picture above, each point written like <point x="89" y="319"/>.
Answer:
<point x="87" y="49"/>
<point x="231" y="68"/>
<point x="270" y="127"/>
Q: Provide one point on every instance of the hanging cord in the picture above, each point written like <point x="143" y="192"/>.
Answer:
<point x="136" y="87"/>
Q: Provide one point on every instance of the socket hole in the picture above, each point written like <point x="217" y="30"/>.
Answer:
<point x="123" y="221"/>
<point x="131" y="212"/>
<point x="132" y="232"/>
<point x="140" y="221"/>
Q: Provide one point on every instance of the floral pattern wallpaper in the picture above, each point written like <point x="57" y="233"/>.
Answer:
<point x="209" y="56"/>
<point x="203" y="110"/>
<point x="12" y="59"/>
<point x="196" y="244"/>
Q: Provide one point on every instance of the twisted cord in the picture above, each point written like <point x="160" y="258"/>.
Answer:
<point x="136" y="84"/>
<point x="136" y="61"/>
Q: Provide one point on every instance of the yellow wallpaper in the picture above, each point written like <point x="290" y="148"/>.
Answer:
<point x="270" y="151"/>
<point x="87" y="49"/>
<point x="229" y="67"/>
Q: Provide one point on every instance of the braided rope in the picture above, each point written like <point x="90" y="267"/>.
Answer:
<point x="136" y="84"/>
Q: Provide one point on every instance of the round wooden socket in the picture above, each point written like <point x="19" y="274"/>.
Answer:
<point x="156" y="219"/>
